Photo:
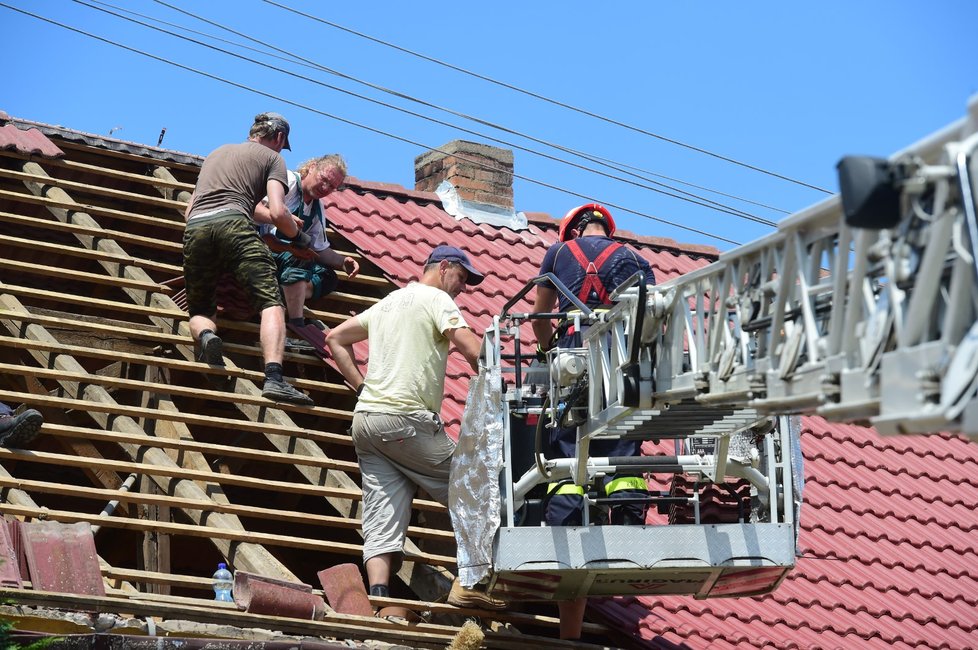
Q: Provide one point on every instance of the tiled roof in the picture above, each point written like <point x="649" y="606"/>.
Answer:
<point x="888" y="528"/>
<point x="398" y="229"/>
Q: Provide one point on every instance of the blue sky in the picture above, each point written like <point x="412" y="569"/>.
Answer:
<point x="788" y="87"/>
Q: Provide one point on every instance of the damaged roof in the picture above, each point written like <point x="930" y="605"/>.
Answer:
<point x="92" y="338"/>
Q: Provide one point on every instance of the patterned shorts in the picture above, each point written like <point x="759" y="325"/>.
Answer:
<point x="227" y="242"/>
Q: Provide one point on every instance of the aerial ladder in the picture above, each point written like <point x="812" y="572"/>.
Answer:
<point x="862" y="308"/>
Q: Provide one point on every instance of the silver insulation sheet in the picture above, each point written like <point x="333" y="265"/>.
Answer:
<point x="473" y="494"/>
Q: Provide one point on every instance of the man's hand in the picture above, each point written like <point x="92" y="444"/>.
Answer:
<point x="351" y="267"/>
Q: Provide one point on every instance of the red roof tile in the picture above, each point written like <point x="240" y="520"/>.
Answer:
<point x="888" y="527"/>
<point x="28" y="141"/>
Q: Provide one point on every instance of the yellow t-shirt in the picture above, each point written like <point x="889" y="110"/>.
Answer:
<point x="408" y="350"/>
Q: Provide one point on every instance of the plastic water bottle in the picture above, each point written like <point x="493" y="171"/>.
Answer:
<point x="223" y="581"/>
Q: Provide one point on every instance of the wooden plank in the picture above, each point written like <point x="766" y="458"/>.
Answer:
<point x="88" y="208"/>
<point x="192" y="530"/>
<point x="144" y="386"/>
<point x="102" y="152"/>
<point x="333" y="626"/>
<point x="75" y="299"/>
<point x="186" y="418"/>
<point x="88" y="231"/>
<point x="87" y="188"/>
<point x="160" y="337"/>
<point x="88" y="254"/>
<point x="311" y="519"/>
<point x="163" y="362"/>
<point x="102" y="171"/>
<point x="149" y="469"/>
<point x="247" y="556"/>
<point x="235" y="451"/>
<point x="81" y="276"/>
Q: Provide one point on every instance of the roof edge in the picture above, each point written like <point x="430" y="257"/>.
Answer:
<point x="391" y="189"/>
<point x="546" y="223"/>
<point x="103" y="142"/>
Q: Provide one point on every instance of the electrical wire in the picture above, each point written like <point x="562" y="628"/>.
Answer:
<point x="696" y="200"/>
<point x="292" y="57"/>
<point x="359" y="125"/>
<point x="549" y="100"/>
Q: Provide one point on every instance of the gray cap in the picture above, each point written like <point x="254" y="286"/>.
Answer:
<point x="279" y="123"/>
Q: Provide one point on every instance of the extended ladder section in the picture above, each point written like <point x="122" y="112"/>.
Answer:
<point x="863" y="308"/>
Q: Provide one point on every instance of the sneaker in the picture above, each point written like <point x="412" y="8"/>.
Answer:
<point x="474" y="598"/>
<point x="211" y="350"/>
<point x="279" y="391"/>
<point x="19" y="430"/>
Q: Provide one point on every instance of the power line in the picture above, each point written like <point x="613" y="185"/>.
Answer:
<point x="353" y="123"/>
<point x="727" y="209"/>
<point x="696" y="199"/>
<point x="621" y="167"/>
<point x="549" y="100"/>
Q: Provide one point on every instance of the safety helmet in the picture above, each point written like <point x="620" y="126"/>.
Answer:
<point x="577" y="218"/>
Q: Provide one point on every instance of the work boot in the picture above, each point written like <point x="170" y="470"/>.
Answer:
<point x="211" y="349"/>
<point x="475" y="598"/>
<point x="19" y="430"/>
<point x="279" y="391"/>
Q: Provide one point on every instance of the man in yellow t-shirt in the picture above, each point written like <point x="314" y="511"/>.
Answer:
<point x="397" y="430"/>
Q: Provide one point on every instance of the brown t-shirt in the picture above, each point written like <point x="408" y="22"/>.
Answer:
<point x="235" y="177"/>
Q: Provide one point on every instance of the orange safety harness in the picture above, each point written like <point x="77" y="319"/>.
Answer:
<point x="592" y="281"/>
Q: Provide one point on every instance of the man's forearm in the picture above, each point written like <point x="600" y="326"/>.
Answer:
<point x="345" y="360"/>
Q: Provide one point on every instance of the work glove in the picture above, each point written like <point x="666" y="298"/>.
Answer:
<point x="541" y="354"/>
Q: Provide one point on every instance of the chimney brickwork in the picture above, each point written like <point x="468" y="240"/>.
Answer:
<point x="479" y="172"/>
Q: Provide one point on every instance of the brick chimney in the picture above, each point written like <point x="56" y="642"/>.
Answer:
<point x="480" y="173"/>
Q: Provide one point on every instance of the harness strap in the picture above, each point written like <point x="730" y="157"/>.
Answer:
<point x="592" y="281"/>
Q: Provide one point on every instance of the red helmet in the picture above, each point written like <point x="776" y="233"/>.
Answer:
<point x="588" y="213"/>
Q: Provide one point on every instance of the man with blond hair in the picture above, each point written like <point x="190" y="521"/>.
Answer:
<point x="308" y="277"/>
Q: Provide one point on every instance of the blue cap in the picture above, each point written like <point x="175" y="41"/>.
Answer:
<point x="452" y="254"/>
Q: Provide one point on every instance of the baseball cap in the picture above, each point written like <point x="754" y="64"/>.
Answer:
<point x="452" y="254"/>
<point x="279" y="123"/>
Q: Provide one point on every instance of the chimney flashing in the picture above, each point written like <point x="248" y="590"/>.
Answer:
<point x="476" y="212"/>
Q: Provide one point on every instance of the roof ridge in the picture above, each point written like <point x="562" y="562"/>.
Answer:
<point x="546" y="223"/>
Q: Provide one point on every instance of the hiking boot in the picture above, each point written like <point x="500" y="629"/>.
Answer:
<point x="19" y="430"/>
<point x="279" y="391"/>
<point x="475" y="598"/>
<point x="211" y="350"/>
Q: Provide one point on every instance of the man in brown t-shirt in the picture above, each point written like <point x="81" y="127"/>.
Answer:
<point x="220" y="237"/>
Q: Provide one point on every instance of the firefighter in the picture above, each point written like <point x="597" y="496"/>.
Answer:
<point x="590" y="264"/>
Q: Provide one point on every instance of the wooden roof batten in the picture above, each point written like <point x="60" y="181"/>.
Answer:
<point x="115" y="261"/>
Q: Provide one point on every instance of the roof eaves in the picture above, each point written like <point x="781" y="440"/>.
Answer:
<point x="549" y="224"/>
<point x="103" y="142"/>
